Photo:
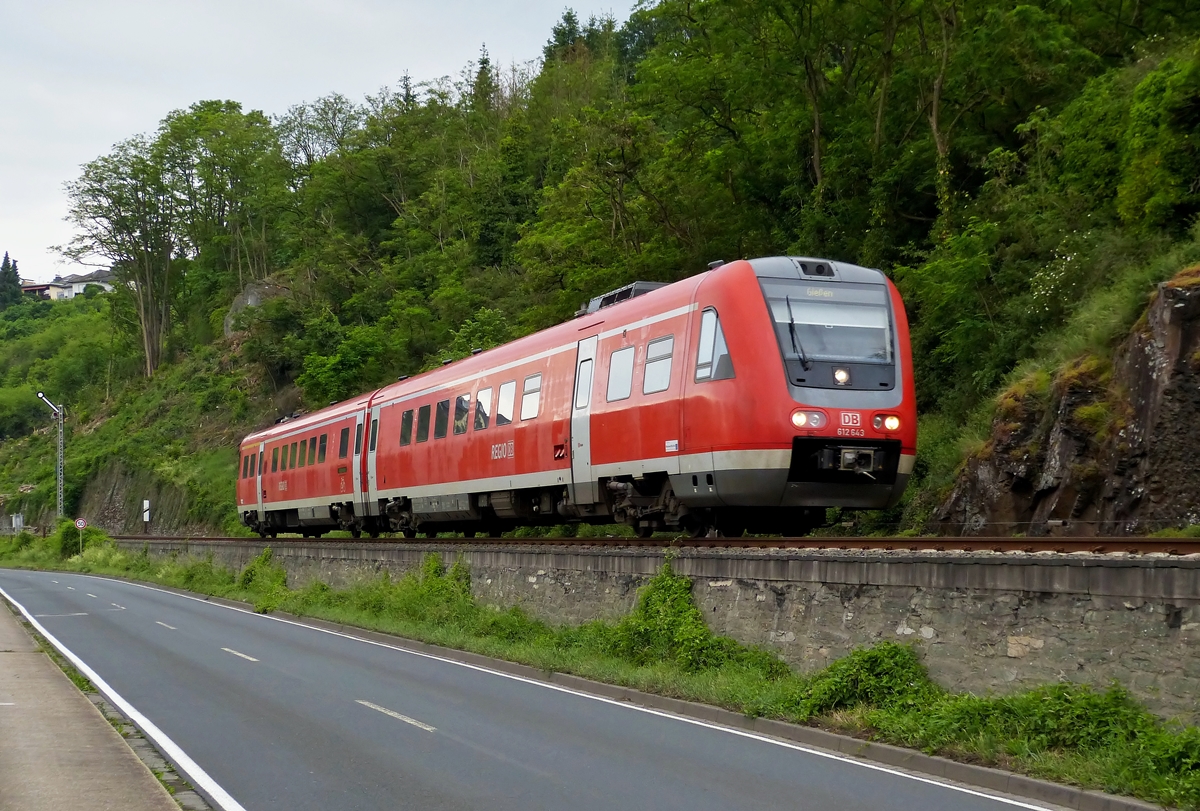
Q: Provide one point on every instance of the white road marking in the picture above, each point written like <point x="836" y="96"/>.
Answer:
<point x="93" y="596"/>
<point x="168" y="747"/>
<point x="235" y="653"/>
<point x="53" y="581"/>
<point x="7" y="704"/>
<point x="169" y="627"/>
<point x="396" y="715"/>
<point x="71" y="588"/>
<point x="76" y="614"/>
<point x="118" y="607"/>
<point x="932" y="781"/>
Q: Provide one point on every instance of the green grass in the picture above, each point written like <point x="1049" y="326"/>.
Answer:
<point x="1070" y="733"/>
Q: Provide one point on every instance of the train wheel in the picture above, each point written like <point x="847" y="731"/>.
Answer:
<point x="374" y="534"/>
<point x="410" y="533"/>
<point x="355" y="532"/>
<point x="643" y="530"/>
<point x="431" y="533"/>
<point x="468" y="533"/>
<point x="262" y="533"/>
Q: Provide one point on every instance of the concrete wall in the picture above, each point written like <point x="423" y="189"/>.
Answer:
<point x="983" y="623"/>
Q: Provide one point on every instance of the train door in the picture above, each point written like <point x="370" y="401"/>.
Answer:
<point x="372" y="481"/>
<point x="581" y="423"/>
<point x="262" y="457"/>
<point x="358" y="463"/>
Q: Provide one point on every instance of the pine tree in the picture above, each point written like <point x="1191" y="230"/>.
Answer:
<point x="10" y="282"/>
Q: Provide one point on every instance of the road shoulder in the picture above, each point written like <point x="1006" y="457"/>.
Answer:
<point x="56" y="749"/>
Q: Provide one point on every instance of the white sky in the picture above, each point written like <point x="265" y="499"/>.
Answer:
<point x="77" y="76"/>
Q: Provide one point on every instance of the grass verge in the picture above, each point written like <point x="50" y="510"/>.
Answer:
<point x="1068" y="733"/>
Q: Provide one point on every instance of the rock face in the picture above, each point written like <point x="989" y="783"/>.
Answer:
<point x="253" y="295"/>
<point x="1102" y="449"/>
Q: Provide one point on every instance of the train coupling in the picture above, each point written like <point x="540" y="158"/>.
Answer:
<point x="864" y="461"/>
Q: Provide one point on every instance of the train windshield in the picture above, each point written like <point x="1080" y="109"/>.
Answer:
<point x="843" y="322"/>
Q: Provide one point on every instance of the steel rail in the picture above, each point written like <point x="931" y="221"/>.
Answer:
<point x="1095" y="546"/>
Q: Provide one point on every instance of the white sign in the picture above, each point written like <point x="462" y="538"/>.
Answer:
<point x="18" y="521"/>
<point x="80" y="523"/>
<point x="146" y="510"/>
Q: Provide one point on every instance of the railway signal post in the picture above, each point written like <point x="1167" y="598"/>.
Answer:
<point x="58" y="417"/>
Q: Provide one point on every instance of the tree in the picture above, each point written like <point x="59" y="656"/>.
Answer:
<point x="125" y="215"/>
<point x="10" y="283"/>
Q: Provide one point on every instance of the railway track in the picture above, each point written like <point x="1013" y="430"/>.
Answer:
<point x="1095" y="546"/>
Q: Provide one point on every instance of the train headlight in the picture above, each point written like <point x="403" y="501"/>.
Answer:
<point x="809" y="419"/>
<point x="889" y="422"/>
<point x="841" y="377"/>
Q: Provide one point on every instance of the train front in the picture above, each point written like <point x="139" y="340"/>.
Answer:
<point x="842" y="334"/>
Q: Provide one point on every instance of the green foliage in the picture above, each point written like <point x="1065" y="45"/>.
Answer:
<point x="1024" y="171"/>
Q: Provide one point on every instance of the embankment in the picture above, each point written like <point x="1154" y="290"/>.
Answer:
<point x="982" y="622"/>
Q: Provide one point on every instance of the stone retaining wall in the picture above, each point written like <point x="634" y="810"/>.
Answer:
<point x="983" y="623"/>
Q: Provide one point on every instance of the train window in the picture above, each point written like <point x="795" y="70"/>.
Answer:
<point x="483" y="409"/>
<point x="303" y="453"/>
<point x="462" y="411"/>
<point x="274" y="459"/>
<point x="658" y="365"/>
<point x="504" y="408"/>
<point x="262" y="461"/>
<point x="442" y="420"/>
<point x="321" y="448"/>
<point x="531" y="397"/>
<point x="620" y="374"/>
<point x="245" y="465"/>
<point x="312" y="450"/>
<point x="358" y="439"/>
<point x="583" y="384"/>
<point x="292" y="458"/>
<point x="712" y="360"/>
<point x="374" y="432"/>
<point x="406" y="428"/>
<point x="344" y="443"/>
<point x="423" y="423"/>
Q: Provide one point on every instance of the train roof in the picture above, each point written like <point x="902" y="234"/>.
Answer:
<point x="552" y="338"/>
<point x="308" y="421"/>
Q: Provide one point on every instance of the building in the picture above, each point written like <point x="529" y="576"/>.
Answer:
<point x="69" y="286"/>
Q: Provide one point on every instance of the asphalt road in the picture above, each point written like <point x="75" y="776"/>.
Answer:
<point x="287" y="717"/>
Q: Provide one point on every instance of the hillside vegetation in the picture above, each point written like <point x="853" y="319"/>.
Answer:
<point x="1025" y="172"/>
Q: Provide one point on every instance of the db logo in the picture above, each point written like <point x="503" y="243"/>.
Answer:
<point x="851" y="419"/>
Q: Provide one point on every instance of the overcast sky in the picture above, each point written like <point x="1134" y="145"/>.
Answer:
<point x="77" y="76"/>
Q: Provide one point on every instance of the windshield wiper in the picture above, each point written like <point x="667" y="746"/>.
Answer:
<point x="797" y="346"/>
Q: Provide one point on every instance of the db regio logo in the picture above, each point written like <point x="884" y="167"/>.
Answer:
<point x="851" y="419"/>
<point x="505" y="450"/>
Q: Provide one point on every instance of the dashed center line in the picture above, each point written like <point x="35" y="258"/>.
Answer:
<point x="171" y="627"/>
<point x="118" y="607"/>
<point x="70" y="588"/>
<point x="7" y="704"/>
<point x="396" y="715"/>
<point x="235" y="653"/>
<point x="53" y="581"/>
<point x="93" y="596"/>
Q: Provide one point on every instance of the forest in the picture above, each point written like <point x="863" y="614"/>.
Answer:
<point x="1025" y="172"/>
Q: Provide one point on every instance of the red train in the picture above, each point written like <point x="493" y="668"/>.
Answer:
<point x="750" y="397"/>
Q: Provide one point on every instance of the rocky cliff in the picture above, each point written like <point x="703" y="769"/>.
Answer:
<point x="1107" y="446"/>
